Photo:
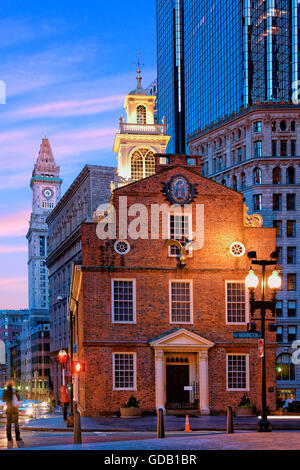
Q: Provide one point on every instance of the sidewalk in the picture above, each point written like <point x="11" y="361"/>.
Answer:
<point x="149" y="423"/>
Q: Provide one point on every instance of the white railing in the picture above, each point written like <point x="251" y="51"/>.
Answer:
<point x="127" y="128"/>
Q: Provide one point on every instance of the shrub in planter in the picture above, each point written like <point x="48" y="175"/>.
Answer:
<point x="131" y="409"/>
<point x="245" y="407"/>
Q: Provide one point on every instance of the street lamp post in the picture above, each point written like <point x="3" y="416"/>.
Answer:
<point x="274" y="283"/>
<point x="63" y="357"/>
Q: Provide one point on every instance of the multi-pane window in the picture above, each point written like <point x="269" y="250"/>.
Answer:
<point x="274" y="148"/>
<point x="285" y="369"/>
<point x="283" y="148"/>
<point x="257" y="126"/>
<point x="141" y="114"/>
<point x="257" y="202"/>
<point x="42" y="246"/>
<point x="279" y="308"/>
<point x="181" y="298"/>
<point x="292" y="333"/>
<point x="258" y="148"/>
<point x="237" y="372"/>
<point x="290" y="202"/>
<point x="236" y="302"/>
<point x="180" y="229"/>
<point x="291" y="228"/>
<point x="279" y="335"/>
<point x="290" y="175"/>
<point x="291" y="281"/>
<point x="276" y="175"/>
<point x="123" y="301"/>
<point x="124" y="371"/>
<point x="142" y="164"/>
<point x="293" y="148"/>
<point x="277" y="202"/>
<point x="292" y="308"/>
<point x="257" y="176"/>
<point x="278" y="225"/>
<point x="291" y="255"/>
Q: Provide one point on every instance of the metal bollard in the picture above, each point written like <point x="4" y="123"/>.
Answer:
<point x="77" y="427"/>
<point x="230" y="427"/>
<point x="160" y="424"/>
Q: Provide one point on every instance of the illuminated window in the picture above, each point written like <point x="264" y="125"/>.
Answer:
<point x="236" y="302"/>
<point x="237" y="371"/>
<point x="141" y="114"/>
<point x="142" y="164"/>
<point x="181" y="302"/>
<point x="180" y="229"/>
<point x="285" y="369"/>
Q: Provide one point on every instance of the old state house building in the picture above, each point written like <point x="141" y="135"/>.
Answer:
<point x="157" y="322"/>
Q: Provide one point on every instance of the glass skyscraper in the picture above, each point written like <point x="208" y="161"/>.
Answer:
<point x="217" y="56"/>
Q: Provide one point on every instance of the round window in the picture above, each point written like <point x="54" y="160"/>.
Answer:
<point x="237" y="249"/>
<point x="122" y="247"/>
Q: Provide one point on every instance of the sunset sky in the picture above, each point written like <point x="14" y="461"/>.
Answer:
<point x="67" y="67"/>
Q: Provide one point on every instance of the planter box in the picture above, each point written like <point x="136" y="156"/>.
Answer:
<point x="130" y="412"/>
<point x="240" y="411"/>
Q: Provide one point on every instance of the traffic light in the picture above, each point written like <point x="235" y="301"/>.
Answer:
<point x="78" y="367"/>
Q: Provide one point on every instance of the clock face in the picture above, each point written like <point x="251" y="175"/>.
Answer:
<point x="48" y="193"/>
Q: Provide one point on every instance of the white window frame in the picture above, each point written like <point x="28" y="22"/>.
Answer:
<point x="134" y="300"/>
<point x="127" y="353"/>
<point x="186" y="281"/>
<point x="236" y="281"/>
<point x="247" y="373"/>
<point x="190" y="217"/>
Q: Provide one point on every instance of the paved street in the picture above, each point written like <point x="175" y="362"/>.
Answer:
<point x="278" y="440"/>
<point x="112" y="433"/>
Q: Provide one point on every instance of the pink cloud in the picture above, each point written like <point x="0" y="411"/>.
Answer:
<point x="71" y="108"/>
<point x="13" y="249"/>
<point x="14" y="293"/>
<point x="15" y="224"/>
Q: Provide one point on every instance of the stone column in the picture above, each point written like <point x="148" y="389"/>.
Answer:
<point x="159" y="379"/>
<point x="203" y="379"/>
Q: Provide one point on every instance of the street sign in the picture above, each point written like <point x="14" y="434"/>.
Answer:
<point x="261" y="348"/>
<point x="247" y="334"/>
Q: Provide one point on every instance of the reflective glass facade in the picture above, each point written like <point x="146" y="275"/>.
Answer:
<point x="215" y="57"/>
<point x="170" y="73"/>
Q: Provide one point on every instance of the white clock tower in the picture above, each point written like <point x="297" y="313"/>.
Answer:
<point x="140" y="138"/>
<point x="45" y="184"/>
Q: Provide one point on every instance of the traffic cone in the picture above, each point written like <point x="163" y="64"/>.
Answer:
<point x="187" y="424"/>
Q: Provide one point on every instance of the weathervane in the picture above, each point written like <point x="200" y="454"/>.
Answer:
<point x="138" y="70"/>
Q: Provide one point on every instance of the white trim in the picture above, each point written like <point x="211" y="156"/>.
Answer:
<point x="237" y="281"/>
<point x="186" y="281"/>
<point x="134" y="300"/>
<point x="247" y="373"/>
<point x="128" y="353"/>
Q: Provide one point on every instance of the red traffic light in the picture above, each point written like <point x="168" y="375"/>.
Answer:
<point x="62" y="356"/>
<point x="78" y="367"/>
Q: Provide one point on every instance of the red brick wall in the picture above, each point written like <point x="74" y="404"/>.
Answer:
<point x="208" y="268"/>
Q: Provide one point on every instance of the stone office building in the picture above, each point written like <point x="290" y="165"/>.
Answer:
<point x="257" y="152"/>
<point x="161" y="329"/>
<point x="89" y="189"/>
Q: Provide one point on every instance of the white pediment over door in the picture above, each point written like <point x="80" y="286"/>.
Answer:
<point x="181" y="338"/>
